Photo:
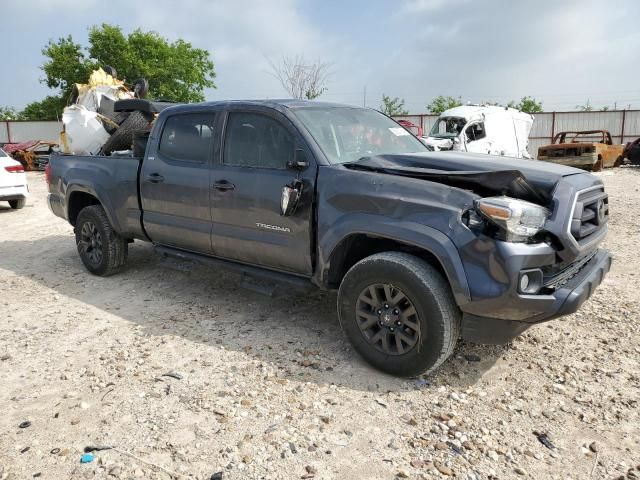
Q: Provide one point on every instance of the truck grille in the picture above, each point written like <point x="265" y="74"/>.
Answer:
<point x="590" y="214"/>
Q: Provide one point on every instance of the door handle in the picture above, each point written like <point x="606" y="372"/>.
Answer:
<point x="223" y="186"/>
<point x="155" y="178"/>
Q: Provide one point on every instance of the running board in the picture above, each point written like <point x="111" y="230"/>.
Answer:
<point x="296" y="281"/>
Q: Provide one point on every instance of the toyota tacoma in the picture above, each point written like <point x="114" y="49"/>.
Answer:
<point x="424" y="248"/>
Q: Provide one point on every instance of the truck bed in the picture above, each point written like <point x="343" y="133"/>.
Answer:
<point x="113" y="180"/>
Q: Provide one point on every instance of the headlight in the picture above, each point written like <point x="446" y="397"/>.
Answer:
<point x="520" y="220"/>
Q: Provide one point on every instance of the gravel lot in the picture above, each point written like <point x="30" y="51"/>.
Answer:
<point x="269" y="388"/>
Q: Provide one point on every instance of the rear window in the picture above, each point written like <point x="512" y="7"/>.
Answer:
<point x="187" y="137"/>
<point x="3" y="153"/>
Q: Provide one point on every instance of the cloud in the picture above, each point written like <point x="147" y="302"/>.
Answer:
<point x="242" y="37"/>
<point x="420" y="6"/>
<point x="496" y="50"/>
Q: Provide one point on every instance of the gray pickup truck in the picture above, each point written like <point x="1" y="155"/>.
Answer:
<point x="423" y="247"/>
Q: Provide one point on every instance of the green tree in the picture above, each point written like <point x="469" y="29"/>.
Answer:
<point x="392" y="106"/>
<point x="49" y="108"/>
<point x="175" y="70"/>
<point x="528" y="105"/>
<point x="9" y="113"/>
<point x="442" y="103"/>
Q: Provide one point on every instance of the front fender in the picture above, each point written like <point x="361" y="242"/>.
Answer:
<point x="409" y="233"/>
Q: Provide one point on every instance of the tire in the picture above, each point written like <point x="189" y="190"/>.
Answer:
<point x="17" y="204"/>
<point x="435" y="327"/>
<point x="122" y="139"/>
<point x="598" y="165"/>
<point x="101" y="249"/>
<point x="140" y="88"/>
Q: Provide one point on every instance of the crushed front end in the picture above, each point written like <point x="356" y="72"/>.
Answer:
<point x="515" y="285"/>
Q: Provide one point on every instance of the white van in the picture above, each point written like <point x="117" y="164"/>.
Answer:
<point x="482" y="129"/>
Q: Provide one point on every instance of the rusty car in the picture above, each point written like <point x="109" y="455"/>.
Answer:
<point x="32" y="154"/>
<point x="587" y="149"/>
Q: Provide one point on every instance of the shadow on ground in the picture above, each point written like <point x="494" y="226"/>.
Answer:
<point x="299" y="333"/>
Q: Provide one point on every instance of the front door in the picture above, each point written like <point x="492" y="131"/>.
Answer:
<point x="175" y="183"/>
<point x="475" y="138"/>
<point x="247" y="184"/>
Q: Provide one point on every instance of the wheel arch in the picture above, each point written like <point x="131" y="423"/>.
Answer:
<point x="79" y="197"/>
<point x="436" y="249"/>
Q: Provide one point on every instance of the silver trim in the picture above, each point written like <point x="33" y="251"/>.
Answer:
<point x="597" y="236"/>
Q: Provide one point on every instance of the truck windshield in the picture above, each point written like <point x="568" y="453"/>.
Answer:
<point x="447" y="127"/>
<point x="348" y="134"/>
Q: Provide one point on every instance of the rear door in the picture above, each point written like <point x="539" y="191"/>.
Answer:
<point x="247" y="182"/>
<point x="175" y="182"/>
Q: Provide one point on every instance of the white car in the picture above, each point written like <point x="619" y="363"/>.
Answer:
<point x="13" y="181"/>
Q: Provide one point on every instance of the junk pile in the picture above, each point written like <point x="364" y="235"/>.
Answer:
<point x="105" y="116"/>
<point x="33" y="155"/>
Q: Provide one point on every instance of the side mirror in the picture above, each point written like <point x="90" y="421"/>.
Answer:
<point x="456" y="140"/>
<point x="299" y="161"/>
<point x="289" y="199"/>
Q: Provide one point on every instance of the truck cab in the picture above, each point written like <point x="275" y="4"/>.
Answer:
<point x="482" y="129"/>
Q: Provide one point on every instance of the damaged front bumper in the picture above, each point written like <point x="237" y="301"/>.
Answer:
<point x="501" y="312"/>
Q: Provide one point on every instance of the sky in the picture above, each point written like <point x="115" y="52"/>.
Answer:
<point x="561" y="52"/>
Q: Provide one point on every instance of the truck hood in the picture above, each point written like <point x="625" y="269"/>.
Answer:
<point x="485" y="175"/>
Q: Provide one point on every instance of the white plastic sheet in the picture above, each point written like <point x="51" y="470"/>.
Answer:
<point x="83" y="132"/>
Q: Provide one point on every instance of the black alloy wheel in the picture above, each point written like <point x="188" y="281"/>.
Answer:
<point x="387" y="319"/>
<point x="91" y="243"/>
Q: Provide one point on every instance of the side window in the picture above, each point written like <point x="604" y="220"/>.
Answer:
<point x="475" y="132"/>
<point x="187" y="137"/>
<point x="254" y="140"/>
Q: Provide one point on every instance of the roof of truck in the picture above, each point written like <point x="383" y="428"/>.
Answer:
<point x="283" y="102"/>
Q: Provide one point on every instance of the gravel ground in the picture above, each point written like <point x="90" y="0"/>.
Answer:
<point x="269" y="388"/>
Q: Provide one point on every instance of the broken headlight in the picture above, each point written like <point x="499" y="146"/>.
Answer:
<point x="517" y="219"/>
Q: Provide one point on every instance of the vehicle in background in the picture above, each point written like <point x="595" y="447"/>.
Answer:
<point x="631" y="153"/>
<point x="423" y="247"/>
<point x="13" y="182"/>
<point x="587" y="149"/>
<point x="412" y="127"/>
<point x="33" y="154"/>
<point x="482" y="129"/>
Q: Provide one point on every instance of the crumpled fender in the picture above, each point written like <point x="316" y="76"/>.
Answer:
<point x="406" y="232"/>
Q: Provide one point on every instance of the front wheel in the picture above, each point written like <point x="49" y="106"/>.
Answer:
<point x="101" y="249"/>
<point x="399" y="313"/>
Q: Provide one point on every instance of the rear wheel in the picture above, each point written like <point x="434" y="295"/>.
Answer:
<point x="17" y="204"/>
<point x="399" y="313"/>
<point x="101" y="249"/>
<point x="598" y="165"/>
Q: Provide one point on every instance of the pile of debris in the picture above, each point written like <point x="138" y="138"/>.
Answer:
<point x="105" y="116"/>
<point x="33" y="155"/>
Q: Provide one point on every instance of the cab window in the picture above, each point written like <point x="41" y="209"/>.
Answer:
<point x="475" y="131"/>
<point x="255" y="140"/>
<point x="187" y="137"/>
